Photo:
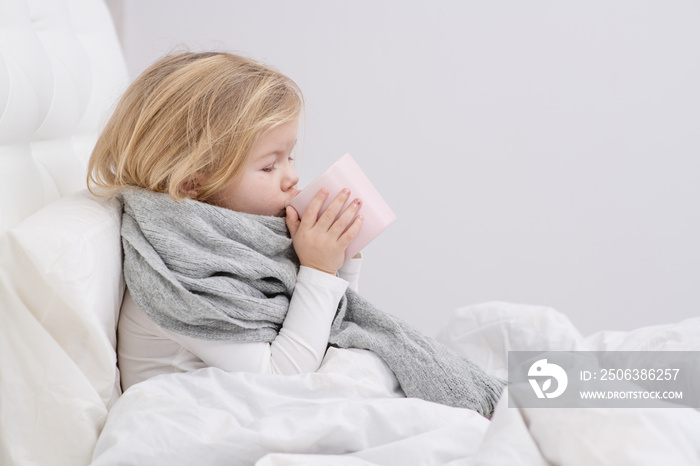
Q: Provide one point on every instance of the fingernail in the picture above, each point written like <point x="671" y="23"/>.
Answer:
<point x="324" y="191"/>
<point x="357" y="202"/>
<point x="346" y="191"/>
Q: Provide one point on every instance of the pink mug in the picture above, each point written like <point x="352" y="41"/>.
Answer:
<point x="345" y="173"/>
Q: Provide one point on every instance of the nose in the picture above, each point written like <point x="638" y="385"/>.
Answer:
<point x="290" y="177"/>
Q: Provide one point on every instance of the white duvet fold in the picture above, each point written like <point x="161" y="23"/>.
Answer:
<point x="351" y="406"/>
<point x="352" y="412"/>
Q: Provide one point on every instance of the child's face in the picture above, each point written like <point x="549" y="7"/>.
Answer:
<point x="269" y="181"/>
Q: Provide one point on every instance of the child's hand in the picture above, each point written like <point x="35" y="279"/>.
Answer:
<point x="320" y="242"/>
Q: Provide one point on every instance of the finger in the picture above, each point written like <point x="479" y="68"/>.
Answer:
<point x="314" y="207"/>
<point x="352" y="231"/>
<point x="292" y="220"/>
<point x="342" y="222"/>
<point x="329" y="215"/>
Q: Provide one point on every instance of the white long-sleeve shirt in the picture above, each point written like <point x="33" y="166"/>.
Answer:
<point x="145" y="349"/>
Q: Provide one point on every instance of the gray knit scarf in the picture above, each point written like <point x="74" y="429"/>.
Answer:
<point x="212" y="273"/>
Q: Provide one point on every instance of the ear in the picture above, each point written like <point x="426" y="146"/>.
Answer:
<point x="190" y="186"/>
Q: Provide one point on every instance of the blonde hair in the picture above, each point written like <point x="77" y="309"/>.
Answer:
<point x="191" y="115"/>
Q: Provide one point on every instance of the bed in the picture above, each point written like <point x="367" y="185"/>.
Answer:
<point x="61" y="287"/>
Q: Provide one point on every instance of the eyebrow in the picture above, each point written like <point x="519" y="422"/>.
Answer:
<point x="290" y="149"/>
<point x="274" y="152"/>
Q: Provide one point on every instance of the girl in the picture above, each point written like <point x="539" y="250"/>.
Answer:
<point x="219" y="270"/>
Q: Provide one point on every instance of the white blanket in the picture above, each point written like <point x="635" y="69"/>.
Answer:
<point x="352" y="413"/>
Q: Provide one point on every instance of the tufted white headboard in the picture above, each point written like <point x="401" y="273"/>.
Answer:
<point x="61" y="69"/>
<point x="61" y="286"/>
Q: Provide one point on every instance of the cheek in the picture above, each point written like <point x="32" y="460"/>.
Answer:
<point x="251" y="183"/>
<point x="260" y="188"/>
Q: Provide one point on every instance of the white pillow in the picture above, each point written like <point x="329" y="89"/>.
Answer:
<point x="61" y="287"/>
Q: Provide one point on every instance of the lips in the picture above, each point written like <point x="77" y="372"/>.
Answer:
<point x="296" y="192"/>
<point x="286" y="204"/>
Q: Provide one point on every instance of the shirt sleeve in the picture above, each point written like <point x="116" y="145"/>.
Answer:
<point x="350" y="272"/>
<point x="301" y="343"/>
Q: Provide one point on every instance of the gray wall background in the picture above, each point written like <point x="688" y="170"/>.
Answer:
<point x="537" y="152"/>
